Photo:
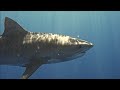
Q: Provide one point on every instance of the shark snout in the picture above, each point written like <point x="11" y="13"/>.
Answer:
<point x="90" y="44"/>
<point x="81" y="43"/>
<point x="85" y="45"/>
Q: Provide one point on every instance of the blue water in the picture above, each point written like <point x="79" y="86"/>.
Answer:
<point x="102" y="28"/>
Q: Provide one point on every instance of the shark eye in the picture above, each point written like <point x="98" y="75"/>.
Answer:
<point x="72" y="40"/>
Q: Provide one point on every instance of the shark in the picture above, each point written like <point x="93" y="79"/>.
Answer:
<point x="19" y="47"/>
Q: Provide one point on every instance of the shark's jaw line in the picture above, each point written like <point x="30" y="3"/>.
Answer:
<point x="31" y="50"/>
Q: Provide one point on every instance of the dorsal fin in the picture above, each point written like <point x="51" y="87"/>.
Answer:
<point x="12" y="28"/>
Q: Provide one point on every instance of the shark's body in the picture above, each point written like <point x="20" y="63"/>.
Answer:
<point x="31" y="50"/>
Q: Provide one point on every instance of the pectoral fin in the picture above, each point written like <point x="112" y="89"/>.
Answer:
<point x="31" y="68"/>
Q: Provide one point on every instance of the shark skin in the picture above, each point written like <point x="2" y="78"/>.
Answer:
<point x="31" y="50"/>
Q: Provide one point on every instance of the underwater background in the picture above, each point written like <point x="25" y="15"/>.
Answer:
<point x="102" y="28"/>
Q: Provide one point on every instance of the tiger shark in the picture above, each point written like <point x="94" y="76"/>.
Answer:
<point x="31" y="50"/>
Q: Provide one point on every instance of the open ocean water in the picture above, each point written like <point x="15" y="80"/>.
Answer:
<point x="102" y="28"/>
